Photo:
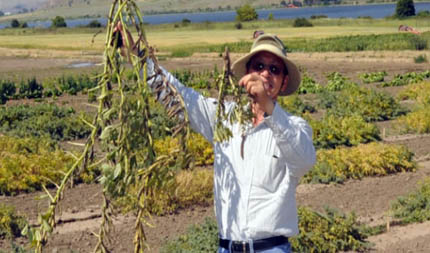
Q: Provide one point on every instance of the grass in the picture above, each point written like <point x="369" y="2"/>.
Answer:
<point x="167" y="38"/>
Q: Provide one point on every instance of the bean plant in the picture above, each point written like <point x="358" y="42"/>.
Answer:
<point x="122" y="129"/>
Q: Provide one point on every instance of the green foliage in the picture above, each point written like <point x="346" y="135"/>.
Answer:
<point x="42" y="120"/>
<point x="423" y="14"/>
<point x="72" y="84"/>
<point x="407" y="78"/>
<point x="196" y="80"/>
<point x="337" y="82"/>
<point x="417" y="121"/>
<point x="27" y="164"/>
<point x="352" y="43"/>
<point x="246" y="13"/>
<point x="199" y="238"/>
<point x="11" y="224"/>
<point x="238" y="25"/>
<point x="414" y="207"/>
<point x="185" y="22"/>
<point x="422" y="58"/>
<point x="14" y="23"/>
<point x="302" y="22"/>
<point x="308" y="85"/>
<point x="405" y="8"/>
<point x="294" y="105"/>
<point x="369" y="104"/>
<point x="58" y="21"/>
<point x="331" y="231"/>
<point x="187" y="188"/>
<point x="373" y="77"/>
<point x="270" y="17"/>
<point x="30" y="89"/>
<point x="94" y="24"/>
<point x="373" y="159"/>
<point x="419" y="92"/>
<point x="7" y="90"/>
<point x="332" y="131"/>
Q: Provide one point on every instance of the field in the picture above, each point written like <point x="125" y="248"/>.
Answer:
<point x="48" y="54"/>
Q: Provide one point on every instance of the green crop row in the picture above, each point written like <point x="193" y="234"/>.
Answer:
<point x="331" y="131"/>
<point x="419" y="92"/>
<point x="373" y="77"/>
<point x="42" y="120"/>
<point x="32" y="88"/>
<point x="370" y="104"/>
<point x="407" y="78"/>
<point x="330" y="231"/>
<point x="414" y="207"/>
<point x="417" y="121"/>
<point x="373" y="159"/>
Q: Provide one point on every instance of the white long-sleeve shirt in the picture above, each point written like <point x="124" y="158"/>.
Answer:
<point x="254" y="196"/>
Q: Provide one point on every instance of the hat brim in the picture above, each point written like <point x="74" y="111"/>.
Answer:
<point x="294" y="79"/>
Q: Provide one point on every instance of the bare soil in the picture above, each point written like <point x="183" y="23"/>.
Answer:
<point x="369" y="198"/>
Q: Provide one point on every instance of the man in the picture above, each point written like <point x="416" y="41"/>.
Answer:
<point x="256" y="172"/>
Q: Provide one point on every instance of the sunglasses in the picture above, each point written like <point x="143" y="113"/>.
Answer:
<point x="273" y="69"/>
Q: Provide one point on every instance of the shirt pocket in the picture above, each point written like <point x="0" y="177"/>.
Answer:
<point x="269" y="172"/>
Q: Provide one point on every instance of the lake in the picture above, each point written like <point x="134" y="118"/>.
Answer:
<point x="374" y="11"/>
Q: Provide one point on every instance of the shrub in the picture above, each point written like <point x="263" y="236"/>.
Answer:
<point x="198" y="238"/>
<point x="373" y="159"/>
<point x="246" y="13"/>
<point x="11" y="224"/>
<point x="415" y="122"/>
<point x="414" y="207"/>
<point x="318" y="16"/>
<point x="30" y="89"/>
<point x="332" y="131"/>
<point x="369" y="104"/>
<point x="94" y="24"/>
<point x="58" y="21"/>
<point x="302" y="22"/>
<point x="7" y="90"/>
<point x="185" y="22"/>
<point x="418" y="43"/>
<point x="308" y="85"/>
<point x="337" y="82"/>
<point x="407" y="78"/>
<point x="42" y="120"/>
<point x="14" y="23"/>
<point x="238" y="25"/>
<point x="373" y="77"/>
<point x="199" y="148"/>
<point x="270" y="17"/>
<point x="183" y="188"/>
<point x="405" y="8"/>
<point x="330" y="231"/>
<point x="294" y="105"/>
<point x="27" y="164"/>
<point x="420" y="59"/>
<point x="419" y="92"/>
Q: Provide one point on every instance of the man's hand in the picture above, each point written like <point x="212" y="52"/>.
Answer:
<point x="257" y="86"/>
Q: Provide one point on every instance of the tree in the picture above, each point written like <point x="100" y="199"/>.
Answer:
<point x="1" y="13"/>
<point x="246" y="13"/>
<point x="58" y="22"/>
<point x="14" y="23"/>
<point x="405" y="8"/>
<point x="270" y="17"/>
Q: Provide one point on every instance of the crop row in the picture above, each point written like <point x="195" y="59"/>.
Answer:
<point x="32" y="88"/>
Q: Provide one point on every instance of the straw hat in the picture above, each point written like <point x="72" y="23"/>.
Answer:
<point x="272" y="44"/>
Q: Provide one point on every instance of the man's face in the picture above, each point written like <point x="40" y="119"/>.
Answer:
<point x="271" y="69"/>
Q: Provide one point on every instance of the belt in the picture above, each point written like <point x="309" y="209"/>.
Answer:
<point x="260" y="244"/>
